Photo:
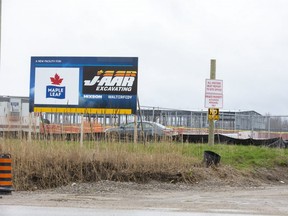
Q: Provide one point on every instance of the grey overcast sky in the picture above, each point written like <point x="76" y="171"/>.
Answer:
<point x="173" y="39"/>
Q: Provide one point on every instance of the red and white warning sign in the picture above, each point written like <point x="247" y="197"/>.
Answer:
<point x="214" y="93"/>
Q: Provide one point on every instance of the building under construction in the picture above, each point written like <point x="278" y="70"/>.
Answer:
<point x="15" y="117"/>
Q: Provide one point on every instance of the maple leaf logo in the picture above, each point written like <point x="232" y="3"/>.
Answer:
<point x="56" y="80"/>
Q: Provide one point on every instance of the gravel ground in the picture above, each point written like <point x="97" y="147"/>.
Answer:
<point x="262" y="200"/>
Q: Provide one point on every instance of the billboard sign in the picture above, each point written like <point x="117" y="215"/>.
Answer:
<point x="96" y="85"/>
<point x="214" y="93"/>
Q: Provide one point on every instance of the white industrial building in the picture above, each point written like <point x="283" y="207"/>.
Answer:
<point x="14" y="114"/>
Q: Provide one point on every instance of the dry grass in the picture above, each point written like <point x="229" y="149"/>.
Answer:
<point x="47" y="164"/>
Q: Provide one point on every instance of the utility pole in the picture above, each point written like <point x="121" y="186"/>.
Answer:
<point x="211" y="121"/>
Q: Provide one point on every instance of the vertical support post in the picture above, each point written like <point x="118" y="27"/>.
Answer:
<point x="211" y="122"/>
<point x="135" y="129"/>
<point x="201" y="122"/>
<point x="104" y="121"/>
<point x="191" y="122"/>
<point x="141" y="121"/>
<point x="82" y="131"/>
<point x="30" y="128"/>
<point x="269" y="127"/>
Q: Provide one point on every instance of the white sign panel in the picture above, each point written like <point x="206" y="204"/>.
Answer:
<point x="57" y="86"/>
<point x="214" y="93"/>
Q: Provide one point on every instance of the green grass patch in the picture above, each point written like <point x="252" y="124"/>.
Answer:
<point x="242" y="157"/>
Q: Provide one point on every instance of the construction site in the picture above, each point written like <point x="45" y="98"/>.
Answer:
<point x="16" y="121"/>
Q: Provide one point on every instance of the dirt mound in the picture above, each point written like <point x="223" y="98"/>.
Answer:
<point x="227" y="176"/>
<point x="213" y="176"/>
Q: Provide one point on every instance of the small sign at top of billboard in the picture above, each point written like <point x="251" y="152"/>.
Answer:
<point x="214" y="93"/>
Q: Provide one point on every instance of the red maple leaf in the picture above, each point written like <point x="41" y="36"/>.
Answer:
<point x="56" y="80"/>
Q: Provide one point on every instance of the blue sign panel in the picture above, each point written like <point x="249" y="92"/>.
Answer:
<point x="98" y="85"/>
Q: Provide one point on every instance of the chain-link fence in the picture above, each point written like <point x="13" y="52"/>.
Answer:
<point x="240" y="124"/>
